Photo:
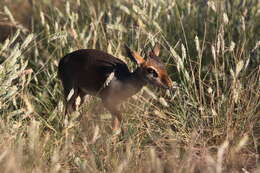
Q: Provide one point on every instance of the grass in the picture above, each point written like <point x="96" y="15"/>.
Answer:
<point x="210" y="123"/>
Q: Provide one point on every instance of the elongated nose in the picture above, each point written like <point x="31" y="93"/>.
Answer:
<point x="167" y="82"/>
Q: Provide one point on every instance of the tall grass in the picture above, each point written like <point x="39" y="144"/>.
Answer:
<point x="209" y="123"/>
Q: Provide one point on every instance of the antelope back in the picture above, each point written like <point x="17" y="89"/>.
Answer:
<point x="87" y="70"/>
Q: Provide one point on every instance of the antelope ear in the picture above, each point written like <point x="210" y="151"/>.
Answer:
<point x="156" y="50"/>
<point x="134" y="56"/>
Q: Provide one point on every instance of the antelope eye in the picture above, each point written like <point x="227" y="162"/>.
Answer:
<point x="152" y="71"/>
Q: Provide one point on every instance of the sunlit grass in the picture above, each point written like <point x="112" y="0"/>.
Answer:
<point x="209" y="123"/>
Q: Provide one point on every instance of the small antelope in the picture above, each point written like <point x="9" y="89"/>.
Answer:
<point x="86" y="71"/>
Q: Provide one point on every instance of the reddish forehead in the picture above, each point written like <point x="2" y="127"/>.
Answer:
<point x="158" y="65"/>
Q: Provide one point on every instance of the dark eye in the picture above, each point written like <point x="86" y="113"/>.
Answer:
<point x="152" y="71"/>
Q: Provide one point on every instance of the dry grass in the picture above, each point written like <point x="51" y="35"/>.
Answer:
<point x="210" y="123"/>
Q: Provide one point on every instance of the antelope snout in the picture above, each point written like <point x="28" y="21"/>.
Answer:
<point x="169" y="84"/>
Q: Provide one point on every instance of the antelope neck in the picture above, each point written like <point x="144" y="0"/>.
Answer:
<point x="136" y="80"/>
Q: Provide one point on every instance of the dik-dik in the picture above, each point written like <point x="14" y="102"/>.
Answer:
<point x="86" y="71"/>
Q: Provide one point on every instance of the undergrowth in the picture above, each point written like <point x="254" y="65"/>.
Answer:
<point x="209" y="123"/>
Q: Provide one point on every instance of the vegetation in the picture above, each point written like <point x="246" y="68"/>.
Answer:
<point x="209" y="123"/>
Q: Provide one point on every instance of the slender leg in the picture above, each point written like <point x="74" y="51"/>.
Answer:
<point x="117" y="117"/>
<point x="117" y="121"/>
<point x="70" y="104"/>
<point x="82" y="96"/>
